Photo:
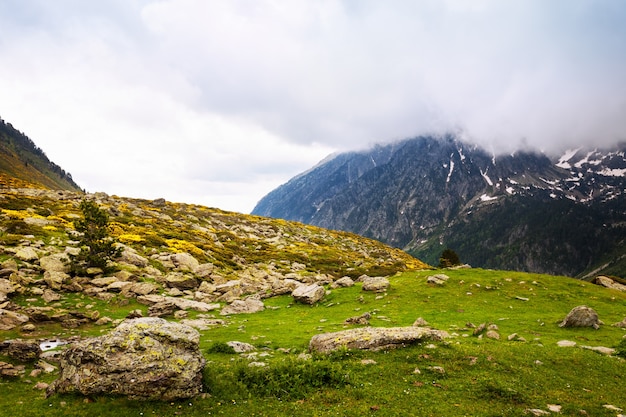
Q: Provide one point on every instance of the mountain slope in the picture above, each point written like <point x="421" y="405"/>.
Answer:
<point x="23" y="164"/>
<point x="523" y="211"/>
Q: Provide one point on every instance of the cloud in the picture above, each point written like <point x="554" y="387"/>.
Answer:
<point x="219" y="102"/>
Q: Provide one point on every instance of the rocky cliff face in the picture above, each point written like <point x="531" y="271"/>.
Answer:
<point x="524" y="211"/>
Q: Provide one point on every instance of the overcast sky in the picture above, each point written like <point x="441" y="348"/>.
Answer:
<point x="217" y="102"/>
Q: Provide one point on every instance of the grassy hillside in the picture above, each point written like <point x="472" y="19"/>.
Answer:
<point x="23" y="164"/>
<point x="466" y="374"/>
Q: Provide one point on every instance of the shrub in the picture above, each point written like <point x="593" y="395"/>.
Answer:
<point x="220" y="347"/>
<point x="620" y="350"/>
<point x="97" y="248"/>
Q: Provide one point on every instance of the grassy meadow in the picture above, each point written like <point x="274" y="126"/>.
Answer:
<point x="466" y="375"/>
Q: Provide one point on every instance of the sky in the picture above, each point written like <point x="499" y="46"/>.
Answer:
<point x="218" y="102"/>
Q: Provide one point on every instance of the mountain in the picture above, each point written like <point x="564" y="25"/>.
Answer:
<point x="526" y="211"/>
<point x="23" y="164"/>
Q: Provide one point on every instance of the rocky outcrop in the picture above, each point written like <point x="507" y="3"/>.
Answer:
<point x="581" y="316"/>
<point x="373" y="338"/>
<point x="146" y="358"/>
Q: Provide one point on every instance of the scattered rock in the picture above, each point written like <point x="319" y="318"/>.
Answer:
<point x="420" y="322"/>
<point x="27" y="254"/>
<point x="492" y="334"/>
<point x="308" y="294"/>
<point x="375" y="284"/>
<point x="162" y="308"/>
<point x="55" y="263"/>
<point x="363" y="319"/>
<point x="181" y="281"/>
<point x="600" y="349"/>
<point x="185" y="261"/>
<point x="49" y="296"/>
<point x="621" y="324"/>
<point x="55" y="279"/>
<point x="10" y="319"/>
<point x="343" y="282"/>
<point x="146" y="359"/>
<point x="538" y="412"/>
<point x="241" y="347"/>
<point x="566" y="343"/>
<point x="8" y="370"/>
<point x="437" y="279"/>
<point x="373" y="338"/>
<point x="24" y="351"/>
<point x="249" y="305"/>
<point x="581" y="316"/>
<point x="368" y="362"/>
<point x="609" y="283"/>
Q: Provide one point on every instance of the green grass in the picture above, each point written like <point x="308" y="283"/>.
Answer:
<point x="482" y="377"/>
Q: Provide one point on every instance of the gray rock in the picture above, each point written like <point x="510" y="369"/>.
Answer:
<point x="308" y="294"/>
<point x="185" y="261"/>
<point x="363" y="319"/>
<point x="58" y="262"/>
<point x="241" y="347"/>
<point x="437" y="279"/>
<point x="24" y="350"/>
<point x="131" y="257"/>
<point x="375" y="284"/>
<point x="10" y="319"/>
<point x="181" y="281"/>
<point x="581" y="316"/>
<point x="55" y="279"/>
<point x="609" y="283"/>
<point x="249" y="305"/>
<point x="27" y="254"/>
<point x="145" y="359"/>
<point x="373" y="338"/>
<point x="342" y="282"/>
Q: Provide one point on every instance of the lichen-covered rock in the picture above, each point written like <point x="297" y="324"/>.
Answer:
<point x="308" y="294"/>
<point x="342" y="282"/>
<point x="581" y="316"/>
<point x="373" y="338"/>
<point x="146" y="358"/>
<point x="437" y="279"/>
<point x="11" y="319"/>
<point x="376" y="284"/>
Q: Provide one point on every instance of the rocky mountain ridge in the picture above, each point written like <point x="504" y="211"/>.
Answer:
<point x="524" y="211"/>
<point x="24" y="164"/>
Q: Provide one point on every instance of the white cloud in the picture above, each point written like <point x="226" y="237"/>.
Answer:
<point x="218" y="102"/>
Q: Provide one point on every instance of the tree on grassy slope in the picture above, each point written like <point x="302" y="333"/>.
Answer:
<point x="97" y="247"/>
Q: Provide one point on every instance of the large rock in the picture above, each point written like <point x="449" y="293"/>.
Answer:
<point x="146" y="358"/>
<point x="181" y="281"/>
<point x="185" y="261"/>
<point x="373" y="338"/>
<point x="11" y="319"/>
<point x="609" y="283"/>
<point x="581" y="316"/>
<point x="55" y="279"/>
<point x="27" y="254"/>
<point x="308" y="294"/>
<point x="131" y="257"/>
<point x="59" y="262"/>
<point x="249" y="305"/>
<point x="376" y="284"/>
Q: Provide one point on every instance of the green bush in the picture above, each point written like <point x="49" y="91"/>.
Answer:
<point x="220" y="347"/>
<point x="620" y="350"/>
<point x="289" y="380"/>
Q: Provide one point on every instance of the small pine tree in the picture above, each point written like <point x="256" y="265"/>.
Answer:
<point x="448" y="259"/>
<point x="97" y="248"/>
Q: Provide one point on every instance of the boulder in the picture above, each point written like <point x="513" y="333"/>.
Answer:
<point x="609" y="283"/>
<point x="146" y="359"/>
<point x="373" y="338"/>
<point x="131" y="257"/>
<point x="58" y="262"/>
<point x="308" y="294"/>
<point x="10" y="319"/>
<point x="363" y="319"/>
<point x="27" y="254"/>
<point x="185" y="262"/>
<point x="55" y="279"/>
<point x="162" y="308"/>
<point x="376" y="284"/>
<point x="24" y="350"/>
<point x="241" y="347"/>
<point x="342" y="283"/>
<point x="181" y="281"/>
<point x="249" y="305"/>
<point x="437" y="279"/>
<point x="581" y="316"/>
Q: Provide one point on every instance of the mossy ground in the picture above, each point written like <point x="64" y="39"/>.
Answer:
<point x="481" y="377"/>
